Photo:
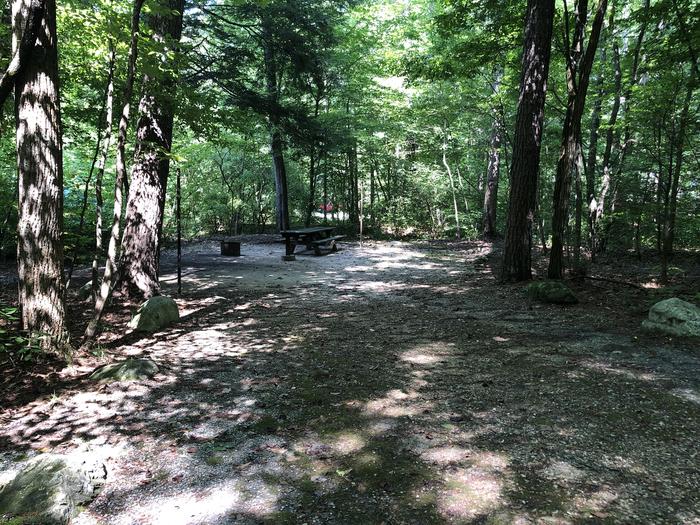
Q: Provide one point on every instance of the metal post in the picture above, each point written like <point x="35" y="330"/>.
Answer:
<point x="179" y="234"/>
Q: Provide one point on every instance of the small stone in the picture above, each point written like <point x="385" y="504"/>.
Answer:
<point x="156" y="313"/>
<point x="129" y="370"/>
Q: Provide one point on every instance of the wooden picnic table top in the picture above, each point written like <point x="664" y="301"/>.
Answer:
<point x="307" y="231"/>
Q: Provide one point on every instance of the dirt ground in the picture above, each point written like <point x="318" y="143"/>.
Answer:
<point x="389" y="383"/>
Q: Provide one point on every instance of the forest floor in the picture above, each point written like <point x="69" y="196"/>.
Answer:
<point x="389" y="383"/>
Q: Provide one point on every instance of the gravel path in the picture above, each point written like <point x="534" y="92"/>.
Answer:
<point x="387" y="384"/>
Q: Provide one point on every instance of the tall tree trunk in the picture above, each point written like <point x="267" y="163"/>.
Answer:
<point x="279" y="169"/>
<point x="578" y="233"/>
<point x="620" y="106"/>
<point x="659" y="186"/>
<point x="99" y="201"/>
<point x="311" y="205"/>
<point x="110" y="272"/>
<point x="592" y="163"/>
<point x="670" y="219"/>
<point x="355" y="187"/>
<point x="93" y="165"/>
<point x="374" y="168"/>
<point x="40" y="180"/>
<point x="493" y="172"/>
<point x="325" y="191"/>
<point x="600" y="238"/>
<point x="98" y="162"/>
<point x="578" y="75"/>
<point x="314" y="155"/>
<point x="145" y="206"/>
<point x="27" y="25"/>
<point x="452" y="188"/>
<point x="529" y="121"/>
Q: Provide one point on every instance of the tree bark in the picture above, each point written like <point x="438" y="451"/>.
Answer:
<point x="621" y="105"/>
<point x="99" y="177"/>
<point x="40" y="180"/>
<point x="592" y="163"/>
<point x="311" y="205"/>
<point x="314" y="157"/>
<point x="670" y="219"/>
<point x="109" y="275"/>
<point x="279" y="169"/>
<point x="143" y="219"/>
<point x="452" y="188"/>
<point x="578" y="75"/>
<point x="28" y="23"/>
<point x="578" y="233"/>
<point x="517" y="265"/>
<point x="493" y="172"/>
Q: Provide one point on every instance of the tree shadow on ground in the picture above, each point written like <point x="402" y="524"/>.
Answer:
<point x="371" y="400"/>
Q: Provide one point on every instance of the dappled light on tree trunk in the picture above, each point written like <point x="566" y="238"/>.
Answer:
<point x="40" y="173"/>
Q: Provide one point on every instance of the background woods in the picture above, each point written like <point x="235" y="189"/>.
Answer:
<point x="430" y="118"/>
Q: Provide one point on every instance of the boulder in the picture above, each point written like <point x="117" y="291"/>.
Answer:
<point x="85" y="291"/>
<point x="156" y="313"/>
<point x="130" y="370"/>
<point x="675" y="317"/>
<point x="50" y="490"/>
<point x="555" y="292"/>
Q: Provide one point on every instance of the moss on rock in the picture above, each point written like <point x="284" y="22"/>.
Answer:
<point x="674" y="317"/>
<point x="50" y="490"/>
<point x="555" y="292"/>
<point x="156" y="313"/>
<point x="129" y="370"/>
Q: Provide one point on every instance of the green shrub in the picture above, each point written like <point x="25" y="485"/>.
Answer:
<point x="14" y="343"/>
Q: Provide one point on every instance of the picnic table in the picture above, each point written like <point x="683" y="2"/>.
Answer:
<point x="312" y="238"/>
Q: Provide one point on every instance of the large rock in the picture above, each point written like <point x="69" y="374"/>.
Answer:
<point x="675" y="317"/>
<point x="156" y="313"/>
<point x="85" y="291"/>
<point x="130" y="370"/>
<point x="50" y="490"/>
<point x="555" y="292"/>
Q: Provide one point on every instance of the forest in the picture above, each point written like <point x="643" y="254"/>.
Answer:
<point x="503" y="326"/>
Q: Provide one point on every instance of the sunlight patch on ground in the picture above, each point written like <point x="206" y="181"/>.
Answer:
<point x="420" y="357"/>
<point x="396" y="403"/>
<point x="360" y="268"/>
<point x="596" y="502"/>
<point x="378" y="286"/>
<point x="446" y="455"/>
<point x="687" y="394"/>
<point x="250" y="497"/>
<point x="187" y="308"/>
<point x="469" y="493"/>
<point x="625" y="464"/>
<point x="380" y="426"/>
<point x="348" y="443"/>
<point x="563" y="472"/>
<point x="631" y="374"/>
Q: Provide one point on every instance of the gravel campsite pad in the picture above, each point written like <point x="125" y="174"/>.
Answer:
<point x="388" y="383"/>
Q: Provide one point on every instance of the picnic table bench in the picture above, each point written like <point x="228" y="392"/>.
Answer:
<point x="313" y="238"/>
